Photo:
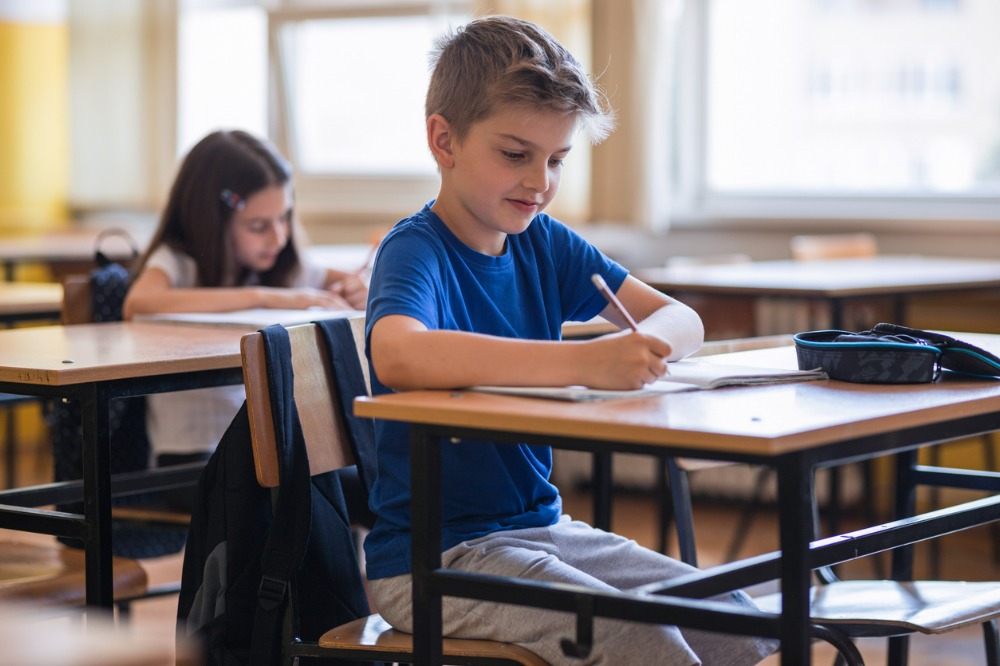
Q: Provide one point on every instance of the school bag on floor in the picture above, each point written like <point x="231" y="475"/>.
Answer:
<point x="303" y="542"/>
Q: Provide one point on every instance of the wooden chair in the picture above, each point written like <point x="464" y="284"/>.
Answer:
<point x="882" y="608"/>
<point x="326" y="441"/>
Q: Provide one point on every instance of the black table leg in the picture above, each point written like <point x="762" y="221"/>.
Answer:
<point x="425" y="481"/>
<point x="796" y="526"/>
<point x="603" y="483"/>
<point x="95" y="409"/>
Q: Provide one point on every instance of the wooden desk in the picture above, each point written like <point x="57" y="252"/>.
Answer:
<point x="834" y="281"/>
<point x="22" y="301"/>
<point x="795" y="427"/>
<point x="42" y="636"/>
<point x="69" y="247"/>
<point x="95" y="364"/>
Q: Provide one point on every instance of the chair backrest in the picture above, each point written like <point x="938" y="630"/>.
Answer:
<point x="77" y="300"/>
<point x="323" y="426"/>
<point x="833" y="246"/>
<point x="96" y="296"/>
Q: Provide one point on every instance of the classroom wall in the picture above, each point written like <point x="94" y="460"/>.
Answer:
<point x="34" y="118"/>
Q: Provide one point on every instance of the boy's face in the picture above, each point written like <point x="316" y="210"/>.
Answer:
<point x="502" y="174"/>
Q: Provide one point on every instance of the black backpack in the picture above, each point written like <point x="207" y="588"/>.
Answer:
<point x="246" y="554"/>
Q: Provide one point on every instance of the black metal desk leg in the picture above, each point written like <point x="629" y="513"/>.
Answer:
<point x="603" y="483"/>
<point x="902" y="558"/>
<point x="425" y="507"/>
<point x="95" y="411"/>
<point x="796" y="528"/>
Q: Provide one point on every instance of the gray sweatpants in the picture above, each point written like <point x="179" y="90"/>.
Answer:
<point x="570" y="552"/>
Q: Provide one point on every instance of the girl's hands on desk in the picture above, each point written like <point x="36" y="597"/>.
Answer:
<point x="351" y="289"/>
<point x="623" y="360"/>
<point x="289" y="298"/>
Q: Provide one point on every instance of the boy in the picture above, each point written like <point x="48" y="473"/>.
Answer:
<point x="474" y="289"/>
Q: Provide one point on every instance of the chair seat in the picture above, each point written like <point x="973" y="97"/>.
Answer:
<point x="44" y="574"/>
<point x="930" y="607"/>
<point x="373" y="634"/>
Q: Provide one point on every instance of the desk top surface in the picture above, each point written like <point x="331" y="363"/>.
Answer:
<point x="71" y="245"/>
<point x="879" y="275"/>
<point x="61" y="355"/>
<point x="30" y="297"/>
<point x="759" y="420"/>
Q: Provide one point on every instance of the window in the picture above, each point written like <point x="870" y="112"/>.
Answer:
<point x="355" y="92"/>
<point x="221" y="71"/>
<point x="351" y="84"/>
<point x="877" y="107"/>
<point x="339" y="86"/>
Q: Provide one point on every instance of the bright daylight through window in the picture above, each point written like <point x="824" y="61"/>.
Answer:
<point x="355" y="89"/>
<point x="869" y="97"/>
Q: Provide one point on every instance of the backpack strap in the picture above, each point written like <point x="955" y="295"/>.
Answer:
<point x="289" y="533"/>
<point x="349" y="380"/>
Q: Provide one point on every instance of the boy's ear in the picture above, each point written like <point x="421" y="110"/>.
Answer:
<point x="440" y="140"/>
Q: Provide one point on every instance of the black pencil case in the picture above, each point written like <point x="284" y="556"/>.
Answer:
<point x="891" y="354"/>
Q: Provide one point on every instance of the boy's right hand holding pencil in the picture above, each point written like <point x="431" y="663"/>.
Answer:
<point x="640" y="358"/>
<point x="626" y="360"/>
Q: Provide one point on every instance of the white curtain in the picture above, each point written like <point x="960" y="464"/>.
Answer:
<point x="636" y="46"/>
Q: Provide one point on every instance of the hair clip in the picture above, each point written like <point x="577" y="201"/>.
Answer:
<point x="232" y="199"/>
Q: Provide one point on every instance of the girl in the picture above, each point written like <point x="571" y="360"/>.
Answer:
<point x="226" y="241"/>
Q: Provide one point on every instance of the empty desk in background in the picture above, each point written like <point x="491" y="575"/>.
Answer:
<point x="26" y="301"/>
<point x="70" y="248"/>
<point x="796" y="428"/>
<point x="95" y="364"/>
<point x="20" y="302"/>
<point x="832" y="281"/>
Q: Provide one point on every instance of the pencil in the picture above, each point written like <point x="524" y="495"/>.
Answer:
<point x="609" y="295"/>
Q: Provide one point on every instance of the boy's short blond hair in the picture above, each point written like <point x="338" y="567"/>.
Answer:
<point x="498" y="61"/>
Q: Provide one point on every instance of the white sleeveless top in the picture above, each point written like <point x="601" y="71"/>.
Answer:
<point x="185" y="422"/>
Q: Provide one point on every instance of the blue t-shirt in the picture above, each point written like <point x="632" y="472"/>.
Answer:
<point x="541" y="281"/>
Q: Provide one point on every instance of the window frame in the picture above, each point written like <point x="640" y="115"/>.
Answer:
<point x="696" y="205"/>
<point x="354" y="196"/>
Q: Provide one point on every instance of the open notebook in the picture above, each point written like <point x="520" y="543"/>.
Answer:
<point x="256" y="317"/>
<point x="687" y="375"/>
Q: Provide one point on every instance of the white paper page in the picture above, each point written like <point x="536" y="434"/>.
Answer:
<point x="684" y="376"/>
<point x="258" y="317"/>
